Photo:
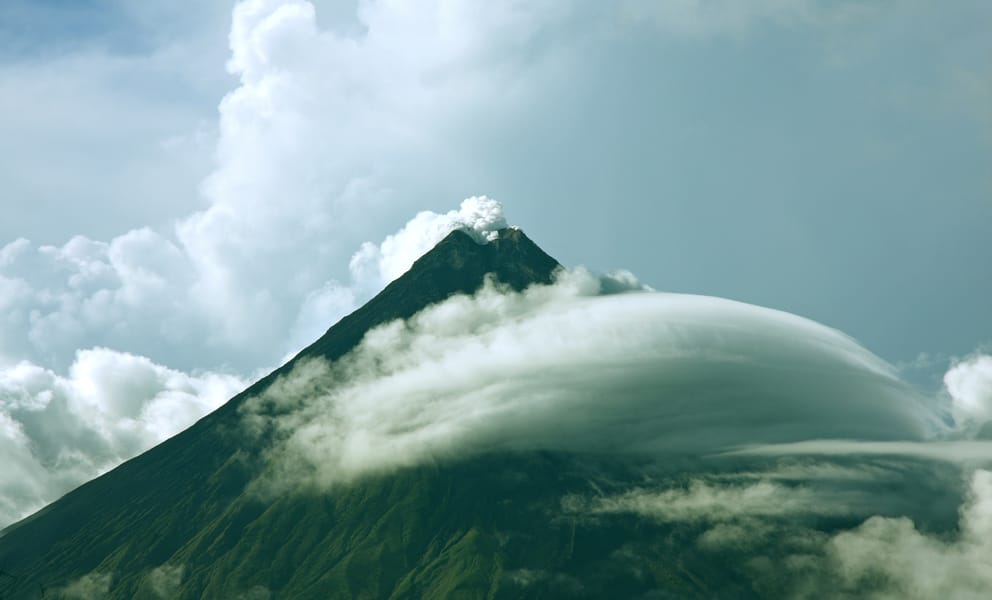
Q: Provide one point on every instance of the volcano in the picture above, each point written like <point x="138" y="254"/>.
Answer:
<point x="184" y="520"/>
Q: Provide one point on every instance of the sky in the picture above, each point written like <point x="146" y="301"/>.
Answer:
<point x="193" y="193"/>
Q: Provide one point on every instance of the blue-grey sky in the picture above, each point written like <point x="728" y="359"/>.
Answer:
<point x="187" y="187"/>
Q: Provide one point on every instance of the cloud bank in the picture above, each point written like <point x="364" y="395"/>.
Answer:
<point x="563" y="367"/>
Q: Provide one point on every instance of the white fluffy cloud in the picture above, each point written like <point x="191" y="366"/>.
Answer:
<point x="120" y="294"/>
<point x="57" y="432"/>
<point x="969" y="385"/>
<point x="319" y="124"/>
<point x="311" y="146"/>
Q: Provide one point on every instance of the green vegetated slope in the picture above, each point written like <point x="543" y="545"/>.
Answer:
<point x="489" y="527"/>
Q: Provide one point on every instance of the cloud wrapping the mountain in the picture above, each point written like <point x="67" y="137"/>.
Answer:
<point x="562" y="367"/>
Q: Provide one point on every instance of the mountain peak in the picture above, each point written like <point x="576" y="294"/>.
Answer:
<point x="510" y="256"/>
<point x="458" y="264"/>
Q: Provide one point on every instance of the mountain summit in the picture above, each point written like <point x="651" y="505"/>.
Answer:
<point x="457" y="265"/>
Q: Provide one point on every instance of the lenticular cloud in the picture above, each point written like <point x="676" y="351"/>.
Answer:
<point x="564" y="367"/>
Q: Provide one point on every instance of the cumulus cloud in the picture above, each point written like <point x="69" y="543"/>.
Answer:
<point x="312" y="145"/>
<point x="319" y="124"/>
<point x="969" y="385"/>
<point x="117" y="294"/>
<point x="564" y="367"/>
<point x="58" y="431"/>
